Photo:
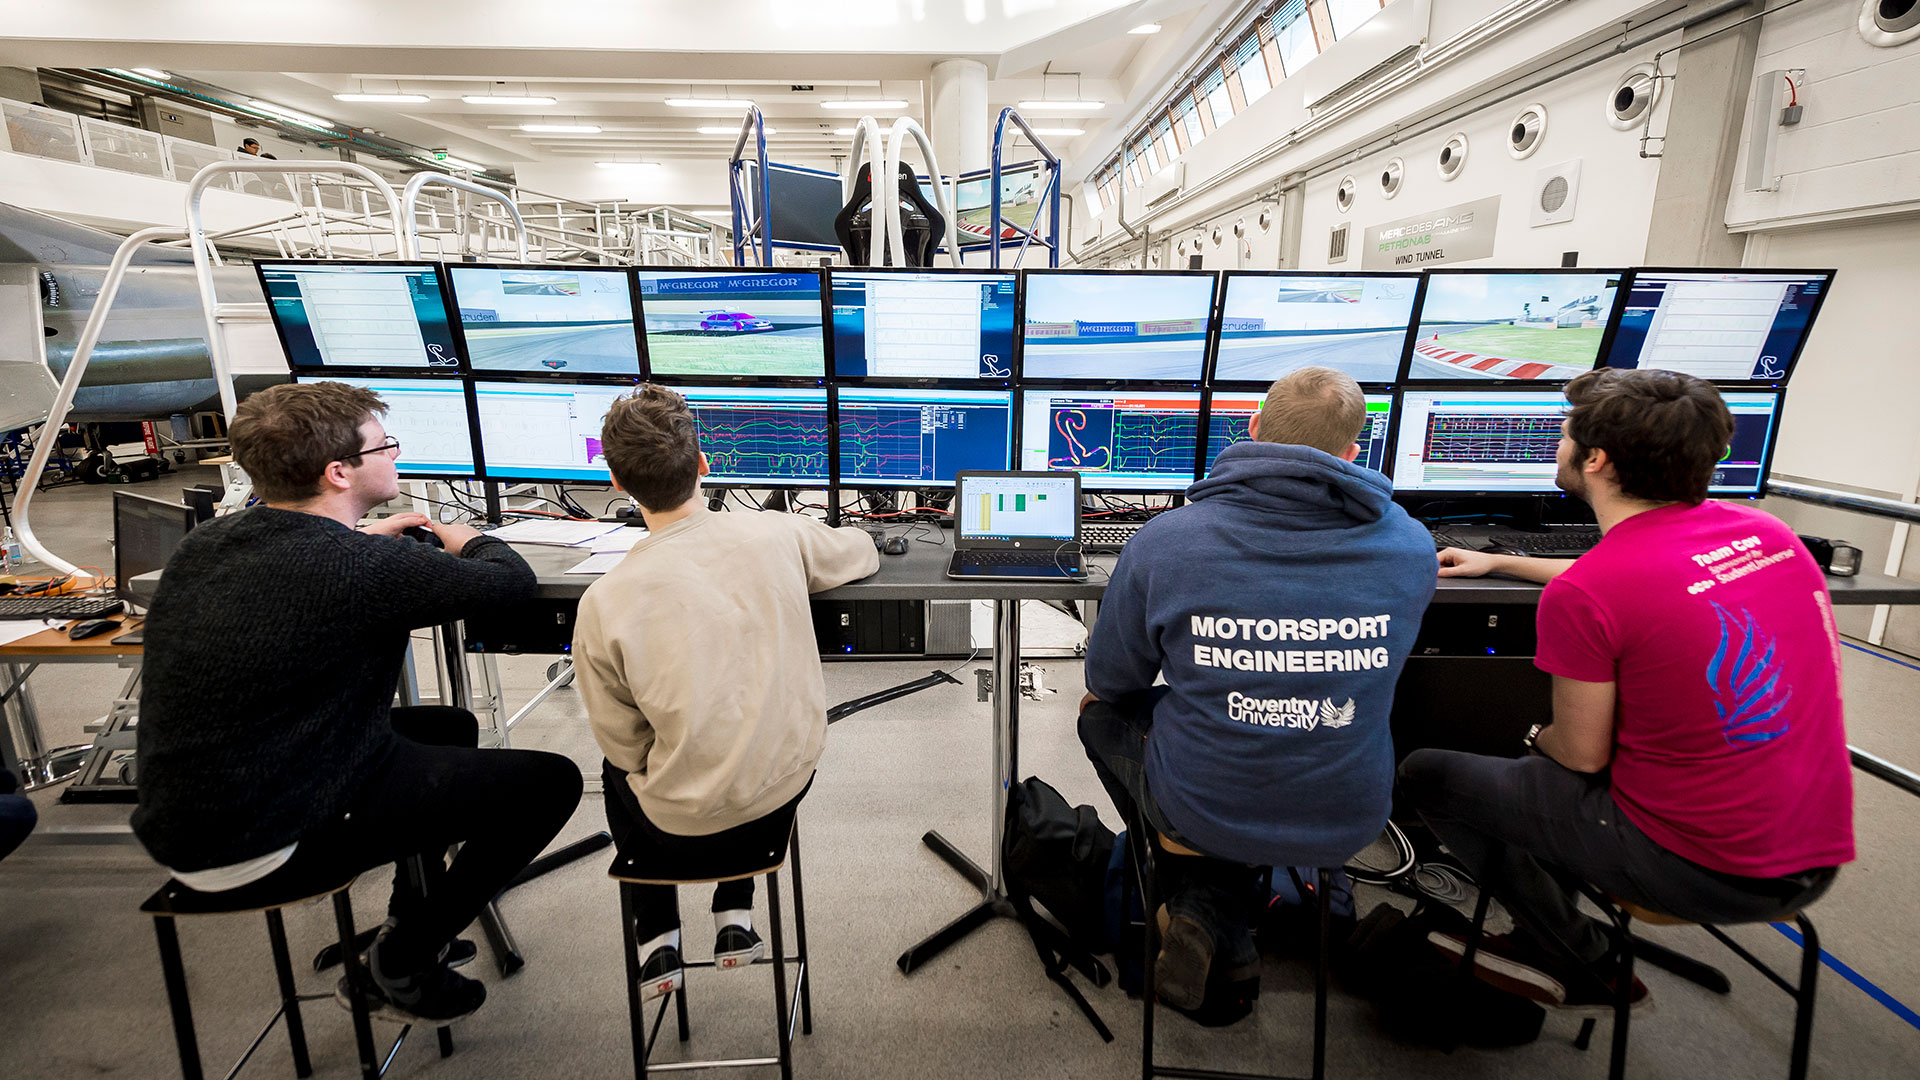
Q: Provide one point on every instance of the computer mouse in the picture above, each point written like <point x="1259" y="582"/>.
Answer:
<point x="91" y="628"/>
<point x="422" y="534"/>
<point x="1496" y="549"/>
<point x="894" y="545"/>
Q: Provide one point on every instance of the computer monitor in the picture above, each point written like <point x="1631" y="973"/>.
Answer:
<point x="761" y="437"/>
<point x="1756" y="427"/>
<point x="923" y="324"/>
<point x="1477" y="441"/>
<point x="1723" y="325"/>
<point x="737" y="324"/>
<point x="1512" y="325"/>
<point x="1228" y="414"/>
<point x="428" y="416"/>
<point x="1273" y="323"/>
<point x="1117" y="440"/>
<point x="920" y="438"/>
<point x="359" y="315"/>
<point x="543" y="431"/>
<point x="527" y="319"/>
<point x="145" y="532"/>
<point x="1116" y="325"/>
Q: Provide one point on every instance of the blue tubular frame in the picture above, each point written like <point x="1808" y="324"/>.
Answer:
<point x="1051" y="196"/>
<point x="736" y="171"/>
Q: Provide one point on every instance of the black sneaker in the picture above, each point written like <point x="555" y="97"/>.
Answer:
<point x="736" y="947"/>
<point x="1180" y="972"/>
<point x="1518" y="967"/>
<point x="456" y="953"/>
<point x="661" y="974"/>
<point x="434" y="996"/>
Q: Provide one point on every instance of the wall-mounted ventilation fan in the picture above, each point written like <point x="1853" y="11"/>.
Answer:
<point x="1337" y="243"/>
<point x="1555" y="190"/>
<point x="1634" y="96"/>
<point x="1452" y="159"/>
<point x="1343" y="195"/>
<point x="1888" y="23"/>
<point x="1527" y="132"/>
<point x="1391" y="177"/>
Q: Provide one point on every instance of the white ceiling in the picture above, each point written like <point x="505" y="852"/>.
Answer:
<point x="612" y="64"/>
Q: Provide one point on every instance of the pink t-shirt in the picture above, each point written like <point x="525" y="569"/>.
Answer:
<point x="1716" y="625"/>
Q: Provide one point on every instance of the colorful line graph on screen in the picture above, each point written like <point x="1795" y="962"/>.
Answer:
<point x="1081" y="440"/>
<point x="1154" y="443"/>
<point x="881" y="443"/>
<point x="757" y="442"/>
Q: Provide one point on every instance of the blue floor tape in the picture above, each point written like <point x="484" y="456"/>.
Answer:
<point x="1881" y="656"/>
<point x="1866" y="986"/>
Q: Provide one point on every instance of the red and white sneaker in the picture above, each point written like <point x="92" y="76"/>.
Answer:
<point x="661" y="974"/>
<point x="736" y="947"/>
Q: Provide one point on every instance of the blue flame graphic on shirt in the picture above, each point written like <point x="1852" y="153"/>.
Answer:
<point x="1745" y="682"/>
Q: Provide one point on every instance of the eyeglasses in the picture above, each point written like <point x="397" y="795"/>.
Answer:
<point x="392" y="444"/>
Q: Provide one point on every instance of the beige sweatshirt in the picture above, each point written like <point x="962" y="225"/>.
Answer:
<point x="699" y="668"/>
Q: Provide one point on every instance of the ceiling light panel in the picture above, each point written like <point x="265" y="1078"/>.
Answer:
<point x="1146" y="28"/>
<point x="295" y="115"/>
<point x="708" y="103"/>
<point x="507" y="99"/>
<point x="396" y="98"/>
<point x="563" y="129"/>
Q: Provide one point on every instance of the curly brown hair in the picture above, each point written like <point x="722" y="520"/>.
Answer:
<point x="286" y="436"/>
<point x="652" y="447"/>
<point x="1664" y="432"/>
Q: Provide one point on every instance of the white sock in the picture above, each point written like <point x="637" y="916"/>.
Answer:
<point x="670" y="938"/>
<point x="740" y="918"/>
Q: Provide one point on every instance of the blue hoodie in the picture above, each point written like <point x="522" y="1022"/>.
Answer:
<point x="1280" y="605"/>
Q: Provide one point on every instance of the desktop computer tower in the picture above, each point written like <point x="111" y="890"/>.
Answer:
<point x="875" y="629"/>
<point x="1470" y="684"/>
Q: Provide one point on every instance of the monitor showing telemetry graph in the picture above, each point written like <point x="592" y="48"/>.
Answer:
<point x="543" y="431"/>
<point x="525" y="319"/>
<point x="1229" y="414"/>
<point x="1513" y="325"/>
<point x="761" y="437"/>
<point x="1271" y="324"/>
<point x="919" y="438"/>
<point x="1104" y="325"/>
<point x="733" y="324"/>
<point x="1115" y="440"/>
<point x="428" y="416"/>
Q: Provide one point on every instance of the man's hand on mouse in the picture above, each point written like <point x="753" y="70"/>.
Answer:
<point x="391" y="526"/>
<point x="1459" y="562"/>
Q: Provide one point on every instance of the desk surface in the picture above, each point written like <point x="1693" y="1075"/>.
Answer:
<point x="53" y="644"/>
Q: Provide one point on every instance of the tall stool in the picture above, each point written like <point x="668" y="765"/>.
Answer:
<point x="1145" y="840"/>
<point x="175" y="901"/>
<point x="1620" y="960"/>
<point x="630" y="875"/>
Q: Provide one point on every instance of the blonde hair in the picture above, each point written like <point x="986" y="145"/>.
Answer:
<point x="1314" y="406"/>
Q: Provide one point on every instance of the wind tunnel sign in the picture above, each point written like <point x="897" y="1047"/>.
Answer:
<point x="1455" y="234"/>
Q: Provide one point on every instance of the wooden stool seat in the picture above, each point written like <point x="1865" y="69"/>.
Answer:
<point x="631" y="872"/>
<point x="1174" y="847"/>
<point x="1648" y="915"/>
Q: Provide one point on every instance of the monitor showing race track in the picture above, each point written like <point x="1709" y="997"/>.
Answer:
<point x="1511" y="325"/>
<point x="1116" y="325"/>
<point x="1271" y="324"/>
<point x="532" y="319"/>
<point x="1117" y="440"/>
<point x="733" y="323"/>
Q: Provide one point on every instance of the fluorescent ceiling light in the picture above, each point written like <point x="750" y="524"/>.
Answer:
<point x="294" y="115"/>
<point x="563" y="129"/>
<point x="876" y="103"/>
<point x="731" y="130"/>
<point x="628" y="164"/>
<point x="1146" y="28"/>
<point x="381" y="97"/>
<point x="708" y="103"/>
<point x="1059" y="131"/>
<point x="507" y="99"/>
<point x="1057" y="104"/>
<point x="151" y="73"/>
<point x="458" y="163"/>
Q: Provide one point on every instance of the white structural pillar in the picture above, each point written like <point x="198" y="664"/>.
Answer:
<point x="957" y="115"/>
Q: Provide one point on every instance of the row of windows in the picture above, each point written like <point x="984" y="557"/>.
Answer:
<point x="1284" y="38"/>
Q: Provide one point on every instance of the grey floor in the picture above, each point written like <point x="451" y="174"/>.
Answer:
<point x="80" y="989"/>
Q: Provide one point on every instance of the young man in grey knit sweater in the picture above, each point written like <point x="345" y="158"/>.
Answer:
<point x="269" y="749"/>
<point x="701" y="675"/>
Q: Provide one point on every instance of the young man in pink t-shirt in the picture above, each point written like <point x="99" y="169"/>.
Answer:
<point x="1696" y="764"/>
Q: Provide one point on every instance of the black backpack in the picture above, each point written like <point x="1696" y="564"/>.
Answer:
<point x="1057" y="855"/>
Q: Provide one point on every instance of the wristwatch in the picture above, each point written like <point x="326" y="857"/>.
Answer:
<point x="1532" y="736"/>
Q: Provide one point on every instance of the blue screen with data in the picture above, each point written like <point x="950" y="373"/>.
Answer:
<point x="913" y="438"/>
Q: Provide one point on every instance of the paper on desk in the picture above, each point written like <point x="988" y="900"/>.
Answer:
<point x="554" y="532"/>
<point x="617" y="541"/>
<point x="12" y="630"/>
<point x="598" y="563"/>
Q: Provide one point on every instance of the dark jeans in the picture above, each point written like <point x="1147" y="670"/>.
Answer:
<point x="1539" y="828"/>
<point x="1215" y="893"/>
<point x="17" y="815"/>
<point x="753" y="846"/>
<point x="434" y="789"/>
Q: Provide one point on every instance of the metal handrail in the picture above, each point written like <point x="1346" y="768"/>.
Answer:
<point x="203" y="253"/>
<point x="1051" y="195"/>
<point x="411" y="197"/>
<point x="70" y="385"/>
<point x="1846" y="500"/>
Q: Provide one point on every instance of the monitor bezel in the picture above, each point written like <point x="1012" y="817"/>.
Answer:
<point x="490" y="374"/>
<point x="122" y="587"/>
<point x="1608" y="327"/>
<point x="466" y="390"/>
<point x="1800" y="348"/>
<point x="1080" y="493"/>
<point x="1201" y="402"/>
<point x="260" y="267"/>
<point x="1398" y="425"/>
<point x="673" y="379"/>
<point x="1218" y="337"/>
<point x="842" y="480"/>
<point x="1370" y="390"/>
<point x="1010" y="382"/>
<point x="1779" y="395"/>
<point x="1208" y="342"/>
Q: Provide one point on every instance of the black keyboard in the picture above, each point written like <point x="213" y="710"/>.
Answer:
<point x="1443" y="539"/>
<point x="1108" y="537"/>
<point x="1018" y="558"/>
<point x="1549" y="543"/>
<point x="59" y="607"/>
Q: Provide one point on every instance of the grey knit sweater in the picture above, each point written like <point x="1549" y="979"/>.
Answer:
<point x="274" y="645"/>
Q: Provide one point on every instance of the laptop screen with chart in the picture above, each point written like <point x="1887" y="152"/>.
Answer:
<point x="538" y="319"/>
<point x="1512" y="325"/>
<point x="1271" y="324"/>
<point x="333" y="315"/>
<point x="1228" y="415"/>
<point x="1016" y="507"/>
<point x="1146" y="440"/>
<point x="1116" y="325"/>
<point x="732" y="323"/>
<point x="923" y="324"/>
<point x="1721" y="325"/>
<point x="920" y="438"/>
<point x="428" y="416"/>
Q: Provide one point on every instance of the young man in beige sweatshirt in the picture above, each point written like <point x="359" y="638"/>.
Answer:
<point x="697" y="661"/>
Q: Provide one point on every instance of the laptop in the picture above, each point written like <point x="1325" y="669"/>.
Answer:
<point x="1016" y="526"/>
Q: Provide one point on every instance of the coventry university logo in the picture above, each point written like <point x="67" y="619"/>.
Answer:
<point x="1745" y="682"/>
<point x="1300" y="714"/>
<point x="1336" y="716"/>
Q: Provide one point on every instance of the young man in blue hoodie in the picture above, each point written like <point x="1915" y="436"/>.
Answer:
<point x="1279" y="606"/>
